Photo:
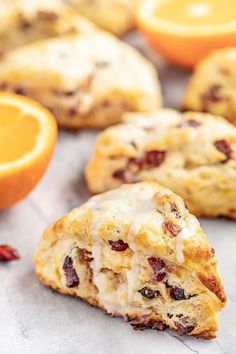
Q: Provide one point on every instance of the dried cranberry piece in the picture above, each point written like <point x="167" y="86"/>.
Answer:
<point x="179" y="315"/>
<point x="190" y="123"/>
<point x="146" y="322"/>
<point x="120" y="175"/>
<point x="174" y="209"/>
<point x="177" y="293"/>
<point x="72" y="112"/>
<point x="24" y="24"/>
<point x="155" y="158"/>
<point x="118" y="245"/>
<point x="8" y="254"/>
<point x="159" y="276"/>
<point x="184" y="329"/>
<point x="86" y="256"/>
<point x="224" y="147"/>
<point x="171" y="228"/>
<point x="149" y="293"/>
<point x="158" y="266"/>
<point x="72" y="279"/>
<point x="150" y="159"/>
<point x="211" y="96"/>
<point x="20" y="91"/>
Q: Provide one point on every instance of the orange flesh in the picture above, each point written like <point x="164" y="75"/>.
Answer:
<point x="18" y="133"/>
<point x="197" y="12"/>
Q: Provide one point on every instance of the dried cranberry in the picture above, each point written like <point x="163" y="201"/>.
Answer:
<point x="155" y="158"/>
<point x="72" y="112"/>
<point x="118" y="245"/>
<point x="8" y="254"/>
<point x="149" y="293"/>
<point x="179" y="315"/>
<point x="190" y="123"/>
<point x="86" y="256"/>
<point x="184" y="329"/>
<point x="211" y="96"/>
<point x="171" y="228"/>
<point x="177" y="293"/>
<point x="159" y="276"/>
<point x="175" y="210"/>
<point x="72" y="279"/>
<point x="146" y="322"/>
<point x="24" y="24"/>
<point x="150" y="159"/>
<point x="170" y="315"/>
<point x="158" y="266"/>
<point x="224" y="147"/>
<point x="20" y="91"/>
<point x="120" y="175"/>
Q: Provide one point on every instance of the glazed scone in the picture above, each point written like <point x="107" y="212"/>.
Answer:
<point x="87" y="80"/>
<point x="136" y="252"/>
<point x="116" y="16"/>
<point x="194" y="154"/>
<point x="25" y="21"/>
<point x="212" y="87"/>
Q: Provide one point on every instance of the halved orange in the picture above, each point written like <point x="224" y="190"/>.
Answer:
<point x="28" y="134"/>
<point x="185" y="31"/>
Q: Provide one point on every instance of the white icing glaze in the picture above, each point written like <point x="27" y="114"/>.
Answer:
<point x="189" y="228"/>
<point x="132" y="277"/>
<point x="138" y="209"/>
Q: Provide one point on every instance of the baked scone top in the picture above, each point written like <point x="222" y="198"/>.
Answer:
<point x="212" y="88"/>
<point x="149" y="219"/>
<point x="69" y="63"/>
<point x="189" y="139"/>
<point x="25" y="21"/>
<point x="181" y="142"/>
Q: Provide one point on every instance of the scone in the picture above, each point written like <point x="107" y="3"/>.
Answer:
<point x="136" y="252"/>
<point x="212" y="87"/>
<point x="116" y="16"/>
<point x="87" y="80"/>
<point x="25" y="21"/>
<point x="194" y="154"/>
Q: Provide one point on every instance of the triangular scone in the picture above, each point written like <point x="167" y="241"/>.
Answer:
<point x="212" y="88"/>
<point x="25" y="21"/>
<point x="86" y="80"/>
<point x="193" y="154"/>
<point x="137" y="252"/>
<point x="116" y="16"/>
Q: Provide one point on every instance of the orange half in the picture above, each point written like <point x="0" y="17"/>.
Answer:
<point x="28" y="135"/>
<point x="185" y="31"/>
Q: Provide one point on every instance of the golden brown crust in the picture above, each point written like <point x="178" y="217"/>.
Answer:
<point x="212" y="85"/>
<point x="213" y="284"/>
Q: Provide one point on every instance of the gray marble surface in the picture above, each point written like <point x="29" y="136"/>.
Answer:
<point x="35" y="320"/>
